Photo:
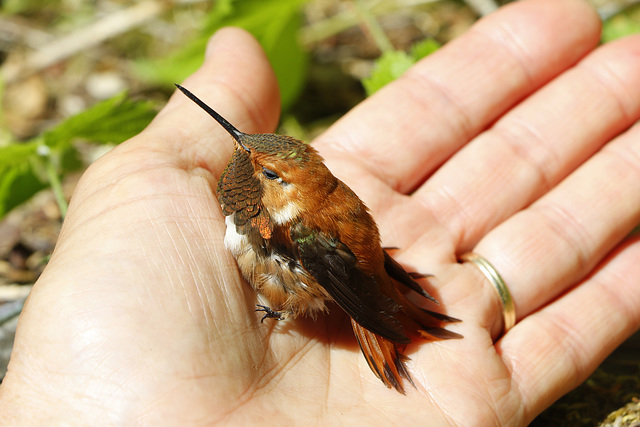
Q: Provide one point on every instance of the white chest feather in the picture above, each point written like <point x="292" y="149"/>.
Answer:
<point x="235" y="242"/>
<point x="279" y="278"/>
<point x="285" y="214"/>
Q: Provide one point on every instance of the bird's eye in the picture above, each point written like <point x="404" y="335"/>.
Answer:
<point x="269" y="174"/>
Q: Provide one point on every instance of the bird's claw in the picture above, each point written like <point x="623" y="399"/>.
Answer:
<point x="269" y="313"/>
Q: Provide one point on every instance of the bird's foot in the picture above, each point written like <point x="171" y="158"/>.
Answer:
<point x="269" y="313"/>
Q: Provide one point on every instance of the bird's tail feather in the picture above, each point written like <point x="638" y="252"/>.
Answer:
<point x="383" y="357"/>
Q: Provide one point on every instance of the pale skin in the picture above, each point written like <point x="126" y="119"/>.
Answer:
<point x="513" y="141"/>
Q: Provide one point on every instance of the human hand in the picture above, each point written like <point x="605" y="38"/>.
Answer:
<point x="511" y="141"/>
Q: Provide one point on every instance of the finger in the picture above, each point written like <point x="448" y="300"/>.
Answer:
<point x="537" y="144"/>
<point x="554" y="350"/>
<point x="406" y="130"/>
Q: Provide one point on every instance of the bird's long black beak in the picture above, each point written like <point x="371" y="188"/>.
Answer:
<point x="235" y="133"/>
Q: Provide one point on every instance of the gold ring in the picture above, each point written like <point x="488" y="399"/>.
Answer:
<point x="508" y="309"/>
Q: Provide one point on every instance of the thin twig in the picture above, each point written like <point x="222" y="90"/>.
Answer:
<point x="81" y="39"/>
<point x="10" y="31"/>
<point x="329" y="27"/>
<point x="56" y="186"/>
<point x="374" y="27"/>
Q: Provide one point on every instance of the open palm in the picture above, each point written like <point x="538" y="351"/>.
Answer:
<point x="511" y="141"/>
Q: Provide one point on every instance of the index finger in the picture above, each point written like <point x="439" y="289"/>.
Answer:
<point x="452" y="95"/>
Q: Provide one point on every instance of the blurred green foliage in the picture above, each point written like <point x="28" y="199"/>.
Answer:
<point x="392" y="64"/>
<point x="23" y="166"/>
<point x="621" y="25"/>
<point x="274" y="23"/>
<point x="26" y="167"/>
<point x="27" y="6"/>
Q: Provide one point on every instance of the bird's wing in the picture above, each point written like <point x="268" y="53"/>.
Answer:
<point x="335" y="268"/>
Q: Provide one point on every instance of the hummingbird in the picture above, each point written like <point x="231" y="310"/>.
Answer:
<point x="301" y="237"/>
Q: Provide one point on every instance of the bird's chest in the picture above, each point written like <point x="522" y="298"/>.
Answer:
<point x="275" y="274"/>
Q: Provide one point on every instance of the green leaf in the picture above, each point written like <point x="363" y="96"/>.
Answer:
<point x="392" y="64"/>
<point x="23" y="168"/>
<point x="424" y="48"/>
<point x="111" y="121"/>
<point x="388" y="67"/>
<point x="221" y="10"/>
<point x="18" y="178"/>
<point x="274" y="23"/>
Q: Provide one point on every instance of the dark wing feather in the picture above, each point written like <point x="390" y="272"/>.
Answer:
<point x="395" y="271"/>
<point x="335" y="268"/>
